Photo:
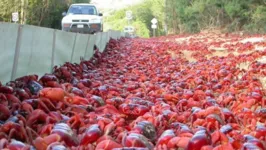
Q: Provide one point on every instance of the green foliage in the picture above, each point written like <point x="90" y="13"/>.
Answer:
<point x="7" y="7"/>
<point x="177" y="16"/>
<point x="141" y="29"/>
<point x="80" y="1"/>
<point x="45" y="13"/>
<point x="258" y="21"/>
<point x="143" y="13"/>
<point x="231" y="15"/>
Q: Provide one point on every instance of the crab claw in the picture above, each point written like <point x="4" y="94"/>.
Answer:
<point x="5" y="113"/>
<point x="178" y="142"/>
<point x="165" y="137"/>
<point x="66" y="134"/>
<point x="92" y="134"/>
<point x="17" y="145"/>
<point x="3" y="143"/>
<point x="107" y="145"/>
<point x="219" y="137"/>
<point x="43" y="143"/>
<point x="199" y="140"/>
<point x="54" y="94"/>
<point x="136" y="140"/>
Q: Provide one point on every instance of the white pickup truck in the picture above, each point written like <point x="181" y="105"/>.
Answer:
<point x="82" y="18"/>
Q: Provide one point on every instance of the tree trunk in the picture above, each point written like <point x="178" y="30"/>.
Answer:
<point x="43" y="11"/>
<point x="22" y="12"/>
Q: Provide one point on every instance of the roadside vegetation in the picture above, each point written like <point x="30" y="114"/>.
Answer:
<point x="192" y="16"/>
<point x="142" y="16"/>
<point x="174" y="16"/>
<point x="229" y="15"/>
<point x="45" y="13"/>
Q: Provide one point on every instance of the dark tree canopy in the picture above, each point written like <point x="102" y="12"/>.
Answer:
<point x="45" y="13"/>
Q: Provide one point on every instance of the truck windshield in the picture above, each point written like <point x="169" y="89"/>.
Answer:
<point x="82" y="10"/>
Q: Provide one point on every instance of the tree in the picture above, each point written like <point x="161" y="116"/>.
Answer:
<point x="80" y="1"/>
<point x="180" y="16"/>
<point x="230" y="15"/>
<point x="7" y="7"/>
<point x="142" y="15"/>
<point x="46" y="13"/>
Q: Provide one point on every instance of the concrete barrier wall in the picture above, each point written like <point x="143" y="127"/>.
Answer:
<point x="29" y="49"/>
<point x="8" y="40"/>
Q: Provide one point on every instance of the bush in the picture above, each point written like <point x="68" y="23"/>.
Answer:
<point x="258" y="20"/>
<point x="231" y="15"/>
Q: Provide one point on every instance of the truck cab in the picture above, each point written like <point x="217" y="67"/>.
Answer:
<point x="82" y="18"/>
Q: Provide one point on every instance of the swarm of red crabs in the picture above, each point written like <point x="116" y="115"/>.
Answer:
<point x="143" y="94"/>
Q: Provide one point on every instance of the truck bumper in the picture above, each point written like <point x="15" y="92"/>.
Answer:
<point x="84" y="28"/>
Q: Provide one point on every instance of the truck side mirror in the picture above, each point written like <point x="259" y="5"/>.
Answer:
<point x="100" y="14"/>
